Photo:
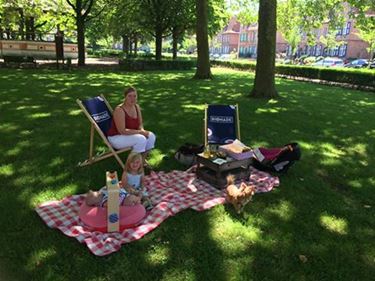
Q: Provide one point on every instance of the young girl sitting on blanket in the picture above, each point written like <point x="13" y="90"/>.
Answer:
<point x="133" y="179"/>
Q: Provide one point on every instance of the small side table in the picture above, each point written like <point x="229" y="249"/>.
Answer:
<point x="216" y="174"/>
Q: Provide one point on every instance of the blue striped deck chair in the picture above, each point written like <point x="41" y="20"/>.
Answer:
<point x="222" y="124"/>
<point x="99" y="113"/>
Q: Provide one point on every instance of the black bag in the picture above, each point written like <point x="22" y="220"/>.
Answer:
<point x="277" y="159"/>
<point x="186" y="154"/>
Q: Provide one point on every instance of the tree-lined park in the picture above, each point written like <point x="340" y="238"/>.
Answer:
<point x="314" y="222"/>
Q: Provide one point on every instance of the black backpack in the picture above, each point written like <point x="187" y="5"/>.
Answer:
<point x="186" y="154"/>
<point x="276" y="159"/>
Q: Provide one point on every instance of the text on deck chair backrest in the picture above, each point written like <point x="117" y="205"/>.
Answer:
<point x="99" y="111"/>
<point x="221" y="124"/>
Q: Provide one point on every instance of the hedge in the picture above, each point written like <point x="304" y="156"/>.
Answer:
<point x="361" y="77"/>
<point x="142" y="64"/>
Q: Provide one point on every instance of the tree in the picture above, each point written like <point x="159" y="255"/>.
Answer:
<point x="366" y="27"/>
<point x="312" y="12"/>
<point x="96" y="29"/>
<point x="365" y="22"/>
<point x="156" y="17"/>
<point x="19" y="18"/>
<point x="289" y="23"/>
<point x="126" y="22"/>
<point x="82" y="9"/>
<point x="218" y="16"/>
<point x="264" y="83"/>
<point x="182" y="21"/>
<point x="203" y="61"/>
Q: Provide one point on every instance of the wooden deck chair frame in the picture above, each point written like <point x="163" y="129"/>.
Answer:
<point x="206" y="122"/>
<point x="94" y="126"/>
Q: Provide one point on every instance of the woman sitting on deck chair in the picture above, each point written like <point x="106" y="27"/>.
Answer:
<point x="127" y="126"/>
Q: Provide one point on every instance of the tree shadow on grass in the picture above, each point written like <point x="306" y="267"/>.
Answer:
<point x="44" y="135"/>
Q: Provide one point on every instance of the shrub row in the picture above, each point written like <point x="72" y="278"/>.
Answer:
<point x="139" y="64"/>
<point x="104" y="53"/>
<point x="361" y="77"/>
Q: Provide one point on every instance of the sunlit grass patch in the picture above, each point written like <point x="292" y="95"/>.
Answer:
<point x="6" y="170"/>
<point x="158" y="254"/>
<point x="334" y="224"/>
<point x="40" y="115"/>
<point x="39" y="258"/>
<point x="284" y="210"/>
<point x="233" y="235"/>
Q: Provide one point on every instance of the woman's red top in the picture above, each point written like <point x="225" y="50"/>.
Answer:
<point x="130" y="123"/>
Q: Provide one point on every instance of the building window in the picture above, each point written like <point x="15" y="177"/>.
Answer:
<point x="342" y="50"/>
<point x="347" y="28"/>
<point x="313" y="51"/>
<point x="317" y="33"/>
<point x="336" y="51"/>
<point x="339" y="31"/>
<point x="318" y="51"/>
<point x="254" y="36"/>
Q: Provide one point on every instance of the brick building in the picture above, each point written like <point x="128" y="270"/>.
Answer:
<point x="349" y="44"/>
<point x="226" y="41"/>
<point x="243" y="40"/>
<point x="249" y="39"/>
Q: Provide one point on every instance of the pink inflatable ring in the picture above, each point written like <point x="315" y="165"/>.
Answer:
<point x="96" y="217"/>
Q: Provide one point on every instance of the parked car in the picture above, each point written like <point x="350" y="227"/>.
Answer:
<point x="357" y="63"/>
<point x="225" y="57"/>
<point x="286" y="61"/>
<point x="214" y="56"/>
<point x="330" y="62"/>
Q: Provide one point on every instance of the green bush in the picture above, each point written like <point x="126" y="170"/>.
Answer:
<point x="104" y="53"/>
<point x="144" y="64"/>
<point x="17" y="59"/>
<point x="298" y="71"/>
<point x="242" y="65"/>
<point x="362" y="77"/>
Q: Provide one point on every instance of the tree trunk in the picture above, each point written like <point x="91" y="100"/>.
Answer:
<point x="81" y="40"/>
<point x="130" y="46"/>
<point x="264" y="84"/>
<point x="135" y="45"/>
<point x="203" y="61"/>
<point x="174" y="42"/>
<point x="125" y="45"/>
<point x="158" y="43"/>
<point x="30" y="28"/>
<point x="21" y="28"/>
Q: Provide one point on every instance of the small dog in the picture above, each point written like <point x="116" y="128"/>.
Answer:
<point x="239" y="197"/>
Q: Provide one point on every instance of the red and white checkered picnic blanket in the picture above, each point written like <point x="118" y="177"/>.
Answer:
<point x="170" y="192"/>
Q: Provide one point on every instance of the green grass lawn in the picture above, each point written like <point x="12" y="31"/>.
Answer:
<point x="324" y="208"/>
